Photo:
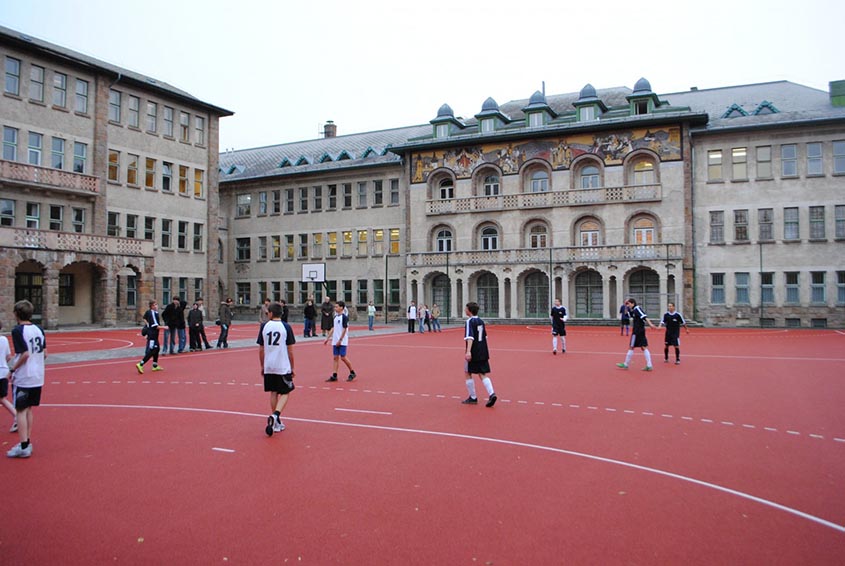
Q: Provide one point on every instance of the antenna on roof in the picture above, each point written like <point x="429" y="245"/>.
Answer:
<point x="544" y="88"/>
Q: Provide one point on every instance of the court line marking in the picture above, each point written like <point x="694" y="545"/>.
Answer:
<point x="227" y="450"/>
<point x="361" y="411"/>
<point x="584" y="455"/>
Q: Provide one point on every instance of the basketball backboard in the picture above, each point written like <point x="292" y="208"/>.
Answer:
<point x="313" y="273"/>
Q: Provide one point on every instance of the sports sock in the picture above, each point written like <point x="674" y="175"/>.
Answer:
<point x="25" y="445"/>
<point x="647" y="357"/>
<point x="563" y="343"/>
<point x="554" y="342"/>
<point x="471" y="387"/>
<point x="276" y="414"/>
<point x="677" y="353"/>
<point x="628" y="357"/>
<point x="488" y="385"/>
<point x="666" y="353"/>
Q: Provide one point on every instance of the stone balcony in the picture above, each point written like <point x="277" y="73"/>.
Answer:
<point x="543" y="256"/>
<point x="73" y="242"/>
<point x="578" y="197"/>
<point x="21" y="174"/>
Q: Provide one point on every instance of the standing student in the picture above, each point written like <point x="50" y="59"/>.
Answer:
<point x="194" y="325"/>
<point x="310" y="313"/>
<point x="153" y="322"/>
<point x="285" y="312"/>
<point x="435" y="318"/>
<point x="421" y="318"/>
<point x="202" y="327"/>
<point x="27" y="374"/>
<point x="181" y="306"/>
<point x="624" y="319"/>
<point x="412" y="316"/>
<point x="275" y="354"/>
<point x="371" y="315"/>
<point x="673" y="321"/>
<point x="477" y="357"/>
<point x="264" y="313"/>
<point x="225" y="323"/>
<point x="559" y="318"/>
<point x="638" y="338"/>
<point x="326" y="311"/>
<point x="168" y="317"/>
<point x="340" y="341"/>
<point x="5" y="358"/>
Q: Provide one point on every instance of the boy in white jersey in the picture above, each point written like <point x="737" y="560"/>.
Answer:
<point x="340" y="341"/>
<point x="5" y="356"/>
<point x="275" y="353"/>
<point x="27" y="374"/>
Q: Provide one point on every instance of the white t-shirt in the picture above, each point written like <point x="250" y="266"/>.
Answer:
<point x="412" y="313"/>
<point x="276" y="336"/>
<point x="341" y="321"/>
<point x="4" y="353"/>
<point x="29" y="338"/>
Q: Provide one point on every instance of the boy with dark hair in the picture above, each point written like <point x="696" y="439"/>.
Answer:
<point x="673" y="321"/>
<point x="558" y="316"/>
<point x="638" y="338"/>
<point x="477" y="357"/>
<point x="153" y="322"/>
<point x="275" y="354"/>
<point x="340" y="341"/>
<point x="27" y="373"/>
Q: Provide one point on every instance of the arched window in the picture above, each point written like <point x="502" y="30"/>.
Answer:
<point x="589" y="233"/>
<point x="489" y="238"/>
<point x="539" y="182"/>
<point x="644" y="231"/>
<point x="491" y="185"/>
<point x="644" y="172"/>
<point x="537" y="236"/>
<point x="447" y="189"/>
<point x="590" y="177"/>
<point x="444" y="240"/>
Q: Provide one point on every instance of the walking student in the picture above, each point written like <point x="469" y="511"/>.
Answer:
<point x="225" y="323"/>
<point x="340" y="342"/>
<point x="153" y="322"/>
<point x="638" y="338"/>
<point x="5" y="358"/>
<point x="624" y="320"/>
<point x="673" y="321"/>
<point x="477" y="357"/>
<point x="275" y="354"/>
<point x="27" y="374"/>
<point x="559" y="318"/>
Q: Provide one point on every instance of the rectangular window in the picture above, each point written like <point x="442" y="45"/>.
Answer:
<point x="347" y="195"/>
<point x="378" y="242"/>
<point x="150" y="177"/>
<point x="839" y="221"/>
<point x="289" y="205"/>
<point x="166" y="232"/>
<point x="198" y="287"/>
<point x="362" y="242"/>
<point x="166" y="177"/>
<point x="113" y="224"/>
<point x="276" y="247"/>
<point x="244" y="204"/>
<point x="792" y="288"/>
<point x="393" y="287"/>
<point x="80" y="156"/>
<point x="81" y="96"/>
<point x="714" y="165"/>
<point x="57" y="154"/>
<point x="182" y="235"/>
<point x="184" y="126"/>
<point x="35" y="146"/>
<point x="840" y="287"/>
<point x="262" y="248"/>
<point x="262" y="203"/>
<point x="131" y="225"/>
<point x="56" y="217"/>
<point x="318" y="199"/>
<point x="290" y="251"/>
<point x="66" y="293"/>
<point x="303" y="199"/>
<point x="288" y="291"/>
<point x="839" y="157"/>
<point x="815" y="160"/>
<point x="166" y="286"/>
<point x="168" y="121"/>
<point x="183" y="180"/>
<point x="717" y="226"/>
<point x="36" y="83"/>
<point x="114" y="106"/>
<point x="817" y="231"/>
<point x="818" y="323"/>
<point x="394" y="191"/>
<point x="242" y="249"/>
<point x="78" y="220"/>
<point x="303" y="245"/>
<point x="817" y="287"/>
<point x="199" y="130"/>
<point x="362" y="194"/>
<point x="332" y="197"/>
<point x="764" y="162"/>
<point x="793" y="322"/>
<point x="303" y="292"/>
<point x="60" y="90"/>
<point x="347" y="243"/>
<point x="717" y="288"/>
<point x="739" y="164"/>
<point x="149" y="228"/>
<point x="362" y="292"/>
<point x="10" y="143"/>
<point x="7" y="212"/>
<point x="242" y="293"/>
<point x="132" y="169"/>
<point x="378" y="193"/>
<point x="765" y="222"/>
<point x="152" y="117"/>
<point x="331" y="238"/>
<point x="33" y="215"/>
<point x="114" y="166"/>
<point x="767" y="288"/>
<point x="277" y="202"/>
<point x="394" y="240"/>
<point x="741" y="225"/>
<point x="742" y="295"/>
<point x="13" y="76"/>
<point x="199" y="183"/>
<point x="131" y="290"/>
<point x="789" y="160"/>
<point x="347" y="290"/>
<point x="133" y="118"/>
<point x="317" y="244"/>
<point x="378" y="291"/>
<point x="790" y="224"/>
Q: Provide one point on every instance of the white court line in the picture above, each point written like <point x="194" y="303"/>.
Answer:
<point x="229" y="450"/>
<point x="362" y="411"/>
<point x="621" y="463"/>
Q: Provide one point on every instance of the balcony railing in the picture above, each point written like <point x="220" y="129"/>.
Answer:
<point x="31" y="175"/>
<point x="542" y="256"/>
<point x="73" y="242"/>
<point x="577" y="197"/>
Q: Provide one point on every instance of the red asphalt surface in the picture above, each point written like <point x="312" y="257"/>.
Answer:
<point x="736" y="456"/>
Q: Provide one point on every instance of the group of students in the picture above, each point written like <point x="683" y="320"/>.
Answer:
<point x="427" y="318"/>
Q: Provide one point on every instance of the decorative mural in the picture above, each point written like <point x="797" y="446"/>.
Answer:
<point x="610" y="148"/>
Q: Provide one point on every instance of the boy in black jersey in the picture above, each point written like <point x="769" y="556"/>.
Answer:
<point x="558" y="316"/>
<point x="673" y="321"/>
<point x="638" y="337"/>
<point x="477" y="357"/>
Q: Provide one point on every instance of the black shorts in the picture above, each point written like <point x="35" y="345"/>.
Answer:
<point x="475" y="366"/>
<point x="558" y="330"/>
<point x="4" y="387"/>
<point x="673" y="340"/>
<point x="26" y="397"/>
<point x="638" y="340"/>
<point x="277" y="383"/>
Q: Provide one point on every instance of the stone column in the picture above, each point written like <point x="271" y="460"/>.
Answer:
<point x="50" y="313"/>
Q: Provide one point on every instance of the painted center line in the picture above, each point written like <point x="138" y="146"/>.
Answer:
<point x="362" y="411"/>
<point x="228" y="450"/>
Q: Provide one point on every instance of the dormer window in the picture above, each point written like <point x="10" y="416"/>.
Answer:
<point x="488" y="125"/>
<point x="441" y="131"/>
<point x="535" y="119"/>
<point x="587" y="113"/>
<point x="641" y="107"/>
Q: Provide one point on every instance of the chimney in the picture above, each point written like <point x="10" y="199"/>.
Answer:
<point x="330" y="130"/>
<point x="837" y="93"/>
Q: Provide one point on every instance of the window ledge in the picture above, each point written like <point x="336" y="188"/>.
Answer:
<point x="817" y="240"/>
<point x="38" y="103"/>
<point x="741" y="242"/>
<point x="61" y="108"/>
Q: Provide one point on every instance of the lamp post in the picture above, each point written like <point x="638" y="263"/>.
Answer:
<point x="448" y="289"/>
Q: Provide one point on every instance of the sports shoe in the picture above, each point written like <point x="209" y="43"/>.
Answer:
<point x="665" y="360"/>
<point x="470" y="401"/>
<point x="622" y="365"/>
<point x="677" y="362"/>
<point x="271" y="425"/>
<point x="492" y="400"/>
<point x="14" y="427"/>
<point x="647" y="368"/>
<point x="554" y="352"/>
<point x="332" y="378"/>
<point x="279" y="426"/>
<point x="352" y="376"/>
<point x="158" y="368"/>
<point x="140" y="367"/>
<point x="18" y="452"/>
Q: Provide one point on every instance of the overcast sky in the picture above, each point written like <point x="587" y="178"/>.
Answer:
<point x="285" y="68"/>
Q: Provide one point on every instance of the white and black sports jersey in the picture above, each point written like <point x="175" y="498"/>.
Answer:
<point x="341" y="321"/>
<point x="29" y="338"/>
<point x="673" y="322"/>
<point x="276" y="336"/>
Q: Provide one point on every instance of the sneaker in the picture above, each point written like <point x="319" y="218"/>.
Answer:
<point x="271" y="425"/>
<point x="332" y="378"/>
<point x="622" y="365"/>
<point x="492" y="400"/>
<point x="279" y="426"/>
<point x="563" y="351"/>
<point x="665" y="360"/>
<point x="470" y="401"/>
<point x="677" y="362"/>
<point x="554" y="352"/>
<point x="158" y="368"/>
<point x="647" y="368"/>
<point x="140" y="367"/>
<point x="352" y="376"/>
<point x="18" y="452"/>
